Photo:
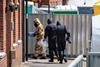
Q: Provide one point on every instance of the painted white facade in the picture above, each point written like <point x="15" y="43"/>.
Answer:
<point x="81" y="2"/>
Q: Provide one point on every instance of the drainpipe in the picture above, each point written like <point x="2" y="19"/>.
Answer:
<point x="23" y="44"/>
<point x="26" y="30"/>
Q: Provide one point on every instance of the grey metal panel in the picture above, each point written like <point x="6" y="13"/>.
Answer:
<point x="95" y="45"/>
<point x="83" y="34"/>
<point x="75" y="18"/>
<point x="93" y="59"/>
<point x="79" y="34"/>
<point x="78" y="25"/>
<point x="88" y="33"/>
<point x="71" y="32"/>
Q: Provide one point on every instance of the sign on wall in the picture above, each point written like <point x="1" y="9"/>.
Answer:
<point x="85" y="10"/>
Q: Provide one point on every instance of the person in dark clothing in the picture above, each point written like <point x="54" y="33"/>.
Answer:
<point x="50" y="32"/>
<point x="61" y="40"/>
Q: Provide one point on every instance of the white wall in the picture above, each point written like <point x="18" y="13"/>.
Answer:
<point x="81" y="2"/>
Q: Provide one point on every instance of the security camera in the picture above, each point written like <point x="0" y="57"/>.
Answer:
<point x="11" y="6"/>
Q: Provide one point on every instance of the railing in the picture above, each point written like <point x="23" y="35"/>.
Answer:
<point x="77" y="62"/>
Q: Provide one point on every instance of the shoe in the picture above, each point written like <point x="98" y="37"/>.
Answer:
<point x="50" y="60"/>
<point x="35" y="57"/>
<point x="58" y="59"/>
<point x="65" y="60"/>
<point x="60" y="62"/>
<point x="43" y="57"/>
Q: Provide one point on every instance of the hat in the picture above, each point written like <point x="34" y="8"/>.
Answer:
<point x="58" y="23"/>
<point x="36" y="21"/>
<point x="49" y="21"/>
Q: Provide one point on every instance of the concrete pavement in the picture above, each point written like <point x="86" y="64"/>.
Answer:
<point x="44" y="63"/>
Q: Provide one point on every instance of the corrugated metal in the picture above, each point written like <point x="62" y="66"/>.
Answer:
<point x="78" y="25"/>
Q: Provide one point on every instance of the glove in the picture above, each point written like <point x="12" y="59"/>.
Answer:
<point x="44" y="39"/>
<point x="67" y="39"/>
<point x="31" y="34"/>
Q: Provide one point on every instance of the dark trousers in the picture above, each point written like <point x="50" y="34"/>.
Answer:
<point x="52" y="50"/>
<point x="61" y="47"/>
<point x="60" y="55"/>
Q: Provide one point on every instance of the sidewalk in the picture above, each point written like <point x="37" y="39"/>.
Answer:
<point x="44" y="63"/>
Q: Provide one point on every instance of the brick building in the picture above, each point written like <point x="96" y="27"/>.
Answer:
<point x="10" y="34"/>
<point x="53" y="3"/>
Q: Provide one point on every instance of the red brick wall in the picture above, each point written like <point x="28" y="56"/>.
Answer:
<point x="4" y="25"/>
<point x="16" y="62"/>
<point x="9" y="36"/>
<point x="9" y="40"/>
<point x="1" y="25"/>
<point x="3" y="62"/>
<point x="18" y="50"/>
<point x="16" y="24"/>
<point x="20" y="15"/>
